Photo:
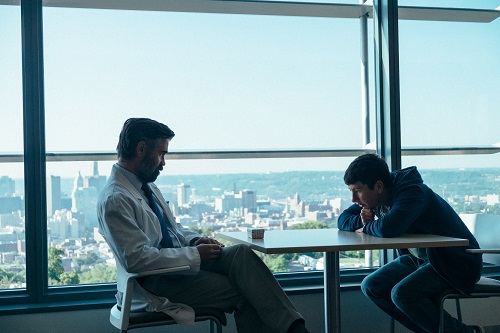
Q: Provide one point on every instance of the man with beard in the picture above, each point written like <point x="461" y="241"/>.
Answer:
<point x="389" y="204"/>
<point x="141" y="231"/>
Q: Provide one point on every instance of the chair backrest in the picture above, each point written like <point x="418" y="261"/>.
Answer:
<point x="486" y="228"/>
<point x="120" y="313"/>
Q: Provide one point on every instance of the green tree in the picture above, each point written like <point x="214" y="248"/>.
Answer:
<point x="204" y="231"/>
<point x="57" y="275"/>
<point x="8" y="279"/>
<point x="91" y="258"/>
<point x="99" y="274"/>
<point x="495" y="209"/>
<point x="69" y="278"/>
<point x="276" y="262"/>
<point x="56" y="268"/>
<point x="309" y="225"/>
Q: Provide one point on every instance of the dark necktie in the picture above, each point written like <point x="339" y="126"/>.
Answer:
<point x="166" y="240"/>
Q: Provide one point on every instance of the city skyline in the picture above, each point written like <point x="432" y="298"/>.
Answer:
<point x="230" y="207"/>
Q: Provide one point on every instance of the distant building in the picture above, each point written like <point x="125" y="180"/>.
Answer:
<point x="183" y="192"/>
<point x="64" y="225"/>
<point x="96" y="181"/>
<point x="197" y="210"/>
<point x="7" y="257"/>
<point x="53" y="194"/>
<point x="84" y="200"/>
<point x="227" y="202"/>
<point x="338" y="205"/>
<point x="251" y="218"/>
<point x="297" y="206"/>
<point x="248" y="200"/>
<point x="492" y="199"/>
<point x="66" y="202"/>
<point x="7" y="186"/>
<point x="11" y="204"/>
<point x="13" y="219"/>
<point x="11" y="235"/>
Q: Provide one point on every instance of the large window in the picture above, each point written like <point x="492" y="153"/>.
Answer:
<point x="222" y="83"/>
<point x="12" y="236"/>
<point x="240" y="82"/>
<point x="269" y="105"/>
<point x="449" y="98"/>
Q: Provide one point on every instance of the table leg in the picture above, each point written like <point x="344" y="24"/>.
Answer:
<point x="332" y="292"/>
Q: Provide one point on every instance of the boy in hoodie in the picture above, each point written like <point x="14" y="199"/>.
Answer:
<point x="391" y="204"/>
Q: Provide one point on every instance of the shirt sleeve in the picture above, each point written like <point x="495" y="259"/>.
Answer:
<point x="350" y="220"/>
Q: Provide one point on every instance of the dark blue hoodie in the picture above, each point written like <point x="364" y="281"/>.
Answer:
<point x="416" y="209"/>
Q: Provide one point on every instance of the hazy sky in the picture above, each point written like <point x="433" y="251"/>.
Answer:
<point x="247" y="82"/>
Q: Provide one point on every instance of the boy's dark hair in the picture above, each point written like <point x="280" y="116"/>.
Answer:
<point x="136" y="130"/>
<point x="368" y="169"/>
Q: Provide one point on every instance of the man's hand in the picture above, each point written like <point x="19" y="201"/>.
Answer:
<point x="367" y="215"/>
<point x="207" y="240"/>
<point x="208" y="252"/>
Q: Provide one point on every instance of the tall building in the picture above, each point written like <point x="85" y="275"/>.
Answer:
<point x="95" y="180"/>
<point x="77" y="187"/>
<point x="248" y="200"/>
<point x="7" y="186"/>
<point x="183" y="194"/>
<point x="84" y="200"/>
<point x="297" y="205"/>
<point x="53" y="195"/>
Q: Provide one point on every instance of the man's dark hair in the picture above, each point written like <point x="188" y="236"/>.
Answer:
<point x="136" y="130"/>
<point x="368" y="169"/>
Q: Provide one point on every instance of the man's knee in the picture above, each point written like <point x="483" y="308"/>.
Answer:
<point x="238" y="251"/>
<point x="374" y="286"/>
<point x="403" y="294"/>
<point x="368" y="285"/>
<point x="242" y="249"/>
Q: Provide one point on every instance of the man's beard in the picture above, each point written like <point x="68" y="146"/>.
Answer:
<point x="148" y="172"/>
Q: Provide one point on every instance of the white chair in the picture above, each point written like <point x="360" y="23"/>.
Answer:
<point x="484" y="288"/>
<point x="124" y="319"/>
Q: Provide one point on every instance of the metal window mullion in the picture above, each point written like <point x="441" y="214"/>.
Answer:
<point x="387" y="99"/>
<point x="365" y="98"/>
<point x="34" y="149"/>
<point x="365" y="75"/>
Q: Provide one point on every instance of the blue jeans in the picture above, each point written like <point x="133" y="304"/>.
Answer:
<point x="404" y="289"/>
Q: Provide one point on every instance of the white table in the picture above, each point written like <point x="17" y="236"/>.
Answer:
<point x="331" y="241"/>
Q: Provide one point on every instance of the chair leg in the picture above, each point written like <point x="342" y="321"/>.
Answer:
<point x="441" y="315"/>
<point x="459" y="310"/>
<point x="218" y="326"/>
